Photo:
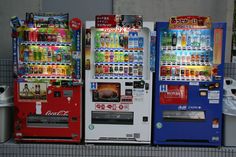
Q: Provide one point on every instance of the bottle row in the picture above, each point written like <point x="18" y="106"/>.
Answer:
<point x="118" y="56"/>
<point x="186" y="57"/>
<point x="31" y="53"/>
<point x="49" y="35"/>
<point x="129" y="40"/>
<point x="46" y="70"/>
<point x="118" y="70"/>
<point x="193" y="38"/>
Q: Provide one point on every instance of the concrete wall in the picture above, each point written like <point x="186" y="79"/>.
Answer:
<point x="84" y="9"/>
<point x="9" y="8"/>
<point x="152" y="10"/>
<point x="161" y="10"/>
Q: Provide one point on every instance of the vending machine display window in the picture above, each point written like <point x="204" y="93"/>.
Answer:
<point x="107" y="92"/>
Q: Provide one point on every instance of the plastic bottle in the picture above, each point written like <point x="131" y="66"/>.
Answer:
<point x="192" y="57"/>
<point x="111" y="56"/>
<point x="45" y="54"/>
<point x="131" y="40"/>
<point x="31" y="55"/>
<point x="112" y="39"/>
<point x="34" y="50"/>
<point x="183" y="58"/>
<point x="26" y="54"/>
<point x="117" y="40"/>
<point x="126" y="56"/>
<point x="178" y="57"/>
<point x="208" y="41"/>
<point x="97" y="39"/>
<point x="198" y="39"/>
<point x="188" y="58"/>
<point x="189" y="41"/>
<point x="135" y="38"/>
<point x="107" y="40"/>
<point x="140" y="42"/>
<point x="183" y="40"/>
<point x="40" y="54"/>
<point x="203" y="40"/>
<point x="121" y="53"/>
<point x="102" y="40"/>
<point x="49" y="50"/>
<point x="169" y="39"/>
<point x="174" y="39"/>
<point x="164" y="39"/>
<point x="179" y="39"/>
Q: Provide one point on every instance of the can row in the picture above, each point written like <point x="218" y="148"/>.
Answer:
<point x="185" y="71"/>
<point x="121" y="70"/>
<point x="60" y="70"/>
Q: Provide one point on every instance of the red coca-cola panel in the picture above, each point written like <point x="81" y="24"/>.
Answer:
<point x="54" y="119"/>
<point x="173" y="94"/>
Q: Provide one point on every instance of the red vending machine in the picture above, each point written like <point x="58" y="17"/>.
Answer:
<point x="47" y="88"/>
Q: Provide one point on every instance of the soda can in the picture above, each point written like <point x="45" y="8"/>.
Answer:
<point x="140" y="56"/>
<point x="163" y="71"/>
<point x="96" y="70"/>
<point x="182" y="72"/>
<point x="111" y="72"/>
<point x="126" y="70"/>
<point x="140" y="70"/>
<point x="135" y="70"/>
<point x="168" y="71"/>
<point x="121" y="70"/>
<point x="130" y="70"/>
<point x="116" y="70"/>
<point x="131" y="57"/>
<point x="177" y="71"/>
<point x="187" y="73"/>
<point x="106" y="69"/>
<point x="136" y="56"/>
<point x="173" y="71"/>
<point x="35" y="69"/>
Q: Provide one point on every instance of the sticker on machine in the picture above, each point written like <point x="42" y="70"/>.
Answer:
<point x="111" y="107"/>
<point x="214" y="94"/>
<point x="214" y="101"/>
<point x="138" y="92"/>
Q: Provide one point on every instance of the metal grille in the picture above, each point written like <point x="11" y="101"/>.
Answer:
<point x="6" y="72"/>
<point x="230" y="70"/>
<point x="56" y="150"/>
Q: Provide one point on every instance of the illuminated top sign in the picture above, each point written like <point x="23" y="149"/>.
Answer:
<point x="117" y="21"/>
<point x="189" y="22"/>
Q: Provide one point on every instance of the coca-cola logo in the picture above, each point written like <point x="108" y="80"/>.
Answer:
<point x="59" y="113"/>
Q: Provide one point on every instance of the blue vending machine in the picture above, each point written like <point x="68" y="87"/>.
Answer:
<point x="189" y="81"/>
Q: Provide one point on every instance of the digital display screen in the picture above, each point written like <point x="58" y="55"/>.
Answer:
<point x="107" y="92"/>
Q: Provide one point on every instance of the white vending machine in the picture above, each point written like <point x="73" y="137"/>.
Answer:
<point x="118" y="102"/>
